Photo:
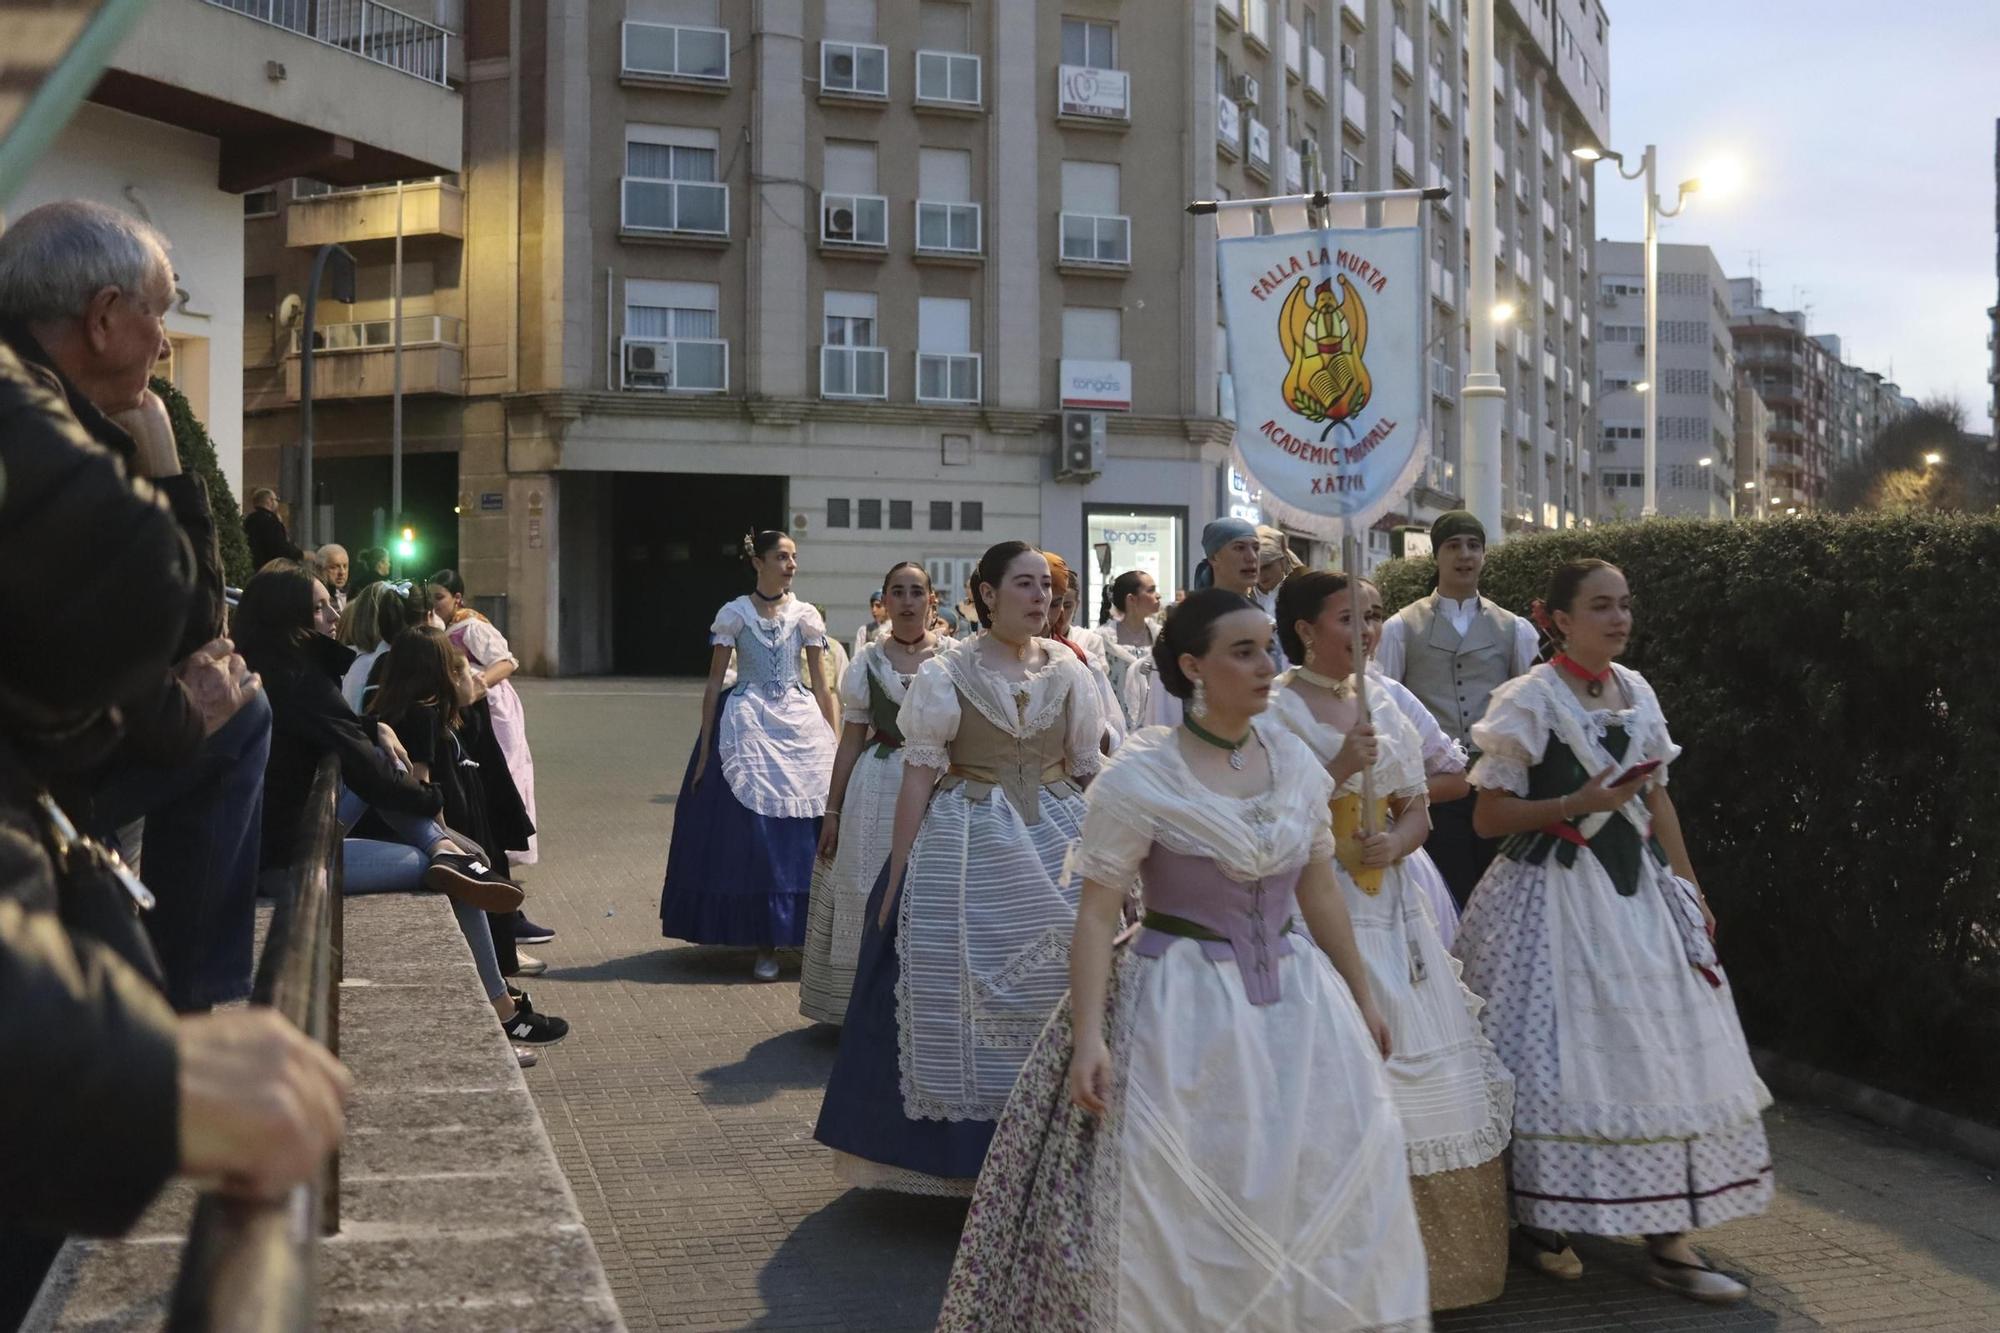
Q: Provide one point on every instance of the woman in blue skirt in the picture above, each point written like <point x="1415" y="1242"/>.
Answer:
<point x="746" y="826"/>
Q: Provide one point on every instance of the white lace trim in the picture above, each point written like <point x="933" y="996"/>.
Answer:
<point x="926" y="756"/>
<point x="1497" y="774"/>
<point x="986" y="687"/>
<point x="1610" y="1120"/>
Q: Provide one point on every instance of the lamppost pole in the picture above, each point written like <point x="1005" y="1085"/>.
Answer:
<point x="1484" y="394"/>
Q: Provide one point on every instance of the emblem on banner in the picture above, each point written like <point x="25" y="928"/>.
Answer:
<point x="1325" y="341"/>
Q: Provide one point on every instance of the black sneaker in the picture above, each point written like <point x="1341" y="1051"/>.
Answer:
<point x="527" y="932"/>
<point x="471" y="880"/>
<point x="532" y="1029"/>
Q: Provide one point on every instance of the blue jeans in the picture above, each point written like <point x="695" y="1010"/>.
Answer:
<point x="369" y="866"/>
<point x="204" y="821"/>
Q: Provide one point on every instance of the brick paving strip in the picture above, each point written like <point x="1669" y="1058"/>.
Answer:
<point x="682" y="1108"/>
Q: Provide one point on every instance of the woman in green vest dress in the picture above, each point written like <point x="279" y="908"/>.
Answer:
<point x="861" y="800"/>
<point x="1636" y="1109"/>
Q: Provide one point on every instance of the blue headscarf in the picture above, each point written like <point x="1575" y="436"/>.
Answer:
<point x="1218" y="534"/>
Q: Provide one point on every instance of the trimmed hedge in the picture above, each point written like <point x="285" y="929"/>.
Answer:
<point x="197" y="453"/>
<point x="1832" y="680"/>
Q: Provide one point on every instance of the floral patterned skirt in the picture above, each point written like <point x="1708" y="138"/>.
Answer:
<point x="1305" y="1221"/>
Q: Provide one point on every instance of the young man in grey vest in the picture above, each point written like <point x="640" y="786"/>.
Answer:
<point x="1452" y="649"/>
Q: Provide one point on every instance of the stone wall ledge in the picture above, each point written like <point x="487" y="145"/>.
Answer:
<point x="454" y="1212"/>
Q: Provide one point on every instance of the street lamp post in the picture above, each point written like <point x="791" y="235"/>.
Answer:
<point x="1484" y="394"/>
<point x="1648" y="169"/>
<point x="341" y="263"/>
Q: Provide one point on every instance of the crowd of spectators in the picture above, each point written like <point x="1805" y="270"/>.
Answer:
<point x="156" y="750"/>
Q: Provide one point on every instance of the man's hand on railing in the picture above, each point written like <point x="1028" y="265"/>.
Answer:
<point x="260" y="1102"/>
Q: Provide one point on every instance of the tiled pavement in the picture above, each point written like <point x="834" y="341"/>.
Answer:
<point x="682" y="1108"/>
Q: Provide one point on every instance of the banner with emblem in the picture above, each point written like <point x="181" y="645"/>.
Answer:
<point x="1326" y="353"/>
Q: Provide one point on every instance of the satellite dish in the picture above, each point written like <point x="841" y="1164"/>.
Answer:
<point x="290" y="311"/>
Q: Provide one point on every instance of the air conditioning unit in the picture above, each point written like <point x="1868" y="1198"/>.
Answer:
<point x="1247" y="90"/>
<point x="839" y="223"/>
<point x="646" y="366"/>
<point x="1080" y="452"/>
<point x="840" y="68"/>
<point x="1608" y="301"/>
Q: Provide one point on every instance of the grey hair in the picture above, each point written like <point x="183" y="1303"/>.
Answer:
<point x="53" y="259"/>
<point x="325" y="552"/>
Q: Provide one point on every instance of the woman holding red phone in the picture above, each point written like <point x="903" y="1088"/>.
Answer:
<point x="1636" y="1111"/>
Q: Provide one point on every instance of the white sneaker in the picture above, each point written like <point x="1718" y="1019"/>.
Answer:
<point x="528" y="1058"/>
<point x="766" y="968"/>
<point x="527" y="965"/>
<point x="1697" y="1282"/>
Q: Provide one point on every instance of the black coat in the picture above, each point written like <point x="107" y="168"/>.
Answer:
<point x="309" y="720"/>
<point x="268" y="539"/>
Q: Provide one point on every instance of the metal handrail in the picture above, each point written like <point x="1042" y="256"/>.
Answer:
<point x="252" y="1265"/>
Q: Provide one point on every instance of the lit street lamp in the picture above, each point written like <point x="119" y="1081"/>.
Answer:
<point x="1648" y="169"/>
<point x="1933" y="458"/>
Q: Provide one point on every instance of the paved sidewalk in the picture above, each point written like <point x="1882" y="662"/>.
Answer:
<point x="682" y="1107"/>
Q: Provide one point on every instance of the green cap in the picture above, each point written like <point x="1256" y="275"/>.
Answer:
<point x="1456" y="523"/>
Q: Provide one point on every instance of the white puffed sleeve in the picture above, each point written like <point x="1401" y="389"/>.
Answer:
<point x="929" y="718"/>
<point x="812" y="627"/>
<point x="728" y="624"/>
<point x="854" y="691"/>
<point x="1117" y="832"/>
<point x="1654" y="737"/>
<point x="1107" y="706"/>
<point x="1085" y="739"/>
<point x="486" y="645"/>
<point x="1442" y="754"/>
<point x="1399" y="765"/>
<point x="1512" y="737"/>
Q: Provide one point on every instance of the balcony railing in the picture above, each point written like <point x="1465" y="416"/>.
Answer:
<point x="1405" y="54"/>
<point x="1294" y="52"/>
<point x="948" y="229"/>
<point x="853" y="372"/>
<point x="1444" y="384"/>
<point x="669" y="208"/>
<point x="1316" y="73"/>
<point x="1440" y="95"/>
<point x="947" y="377"/>
<point x="370" y="30"/>
<point x="1084" y="93"/>
<point x="1444" y="284"/>
<point x="1229" y="125"/>
<point x="1406" y="155"/>
<point x="678" y="54"/>
<point x="1354" y="105"/>
<point x="368" y="335"/>
<point x="675" y="365"/>
<point x="1295" y="171"/>
<point x="948" y="78"/>
<point x="1257" y="22"/>
<point x="860" y="220"/>
<point x="1096" y="239"/>
<point x="1357" y="10"/>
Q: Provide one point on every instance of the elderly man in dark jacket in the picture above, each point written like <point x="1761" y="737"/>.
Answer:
<point x="84" y="291"/>
<point x="111" y="1093"/>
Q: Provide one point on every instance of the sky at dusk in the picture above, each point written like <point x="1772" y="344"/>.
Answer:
<point x="1864" y="130"/>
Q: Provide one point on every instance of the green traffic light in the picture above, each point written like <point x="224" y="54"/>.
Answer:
<point x="406" y="549"/>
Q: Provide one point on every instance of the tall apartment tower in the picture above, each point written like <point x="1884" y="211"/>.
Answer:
<point x="901" y="277"/>
<point x="1993" y="312"/>
<point x="1753" y="449"/>
<point x="1694" y="400"/>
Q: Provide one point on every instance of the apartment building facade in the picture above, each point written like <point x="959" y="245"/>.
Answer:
<point x="1694" y="397"/>
<point x="205" y="105"/>
<point x="1753" y="448"/>
<point x="850" y="268"/>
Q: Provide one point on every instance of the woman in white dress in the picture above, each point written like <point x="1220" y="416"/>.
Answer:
<point x="1445" y="762"/>
<point x="1455" y="1096"/>
<point x="486" y="648"/>
<point x="746" y="825"/>
<point x="1126" y="640"/>
<point x="1203" y="1138"/>
<point x="963" y="957"/>
<point x="861" y="800"/>
<point x="1637" y="1109"/>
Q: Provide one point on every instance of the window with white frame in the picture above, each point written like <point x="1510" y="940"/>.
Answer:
<point x="670" y="181"/>
<point x="851" y="363"/>
<point x="947" y="367"/>
<point x="947" y="218"/>
<point x="1089" y="44"/>
<point x="1091" y="333"/>
<point x="1093" y="230"/>
<point x="676" y="39"/>
<point x="673" y="337"/>
<point x="851" y="213"/>
<point x="949" y="78"/>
